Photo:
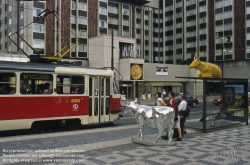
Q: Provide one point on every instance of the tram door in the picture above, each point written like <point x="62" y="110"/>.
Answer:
<point x="99" y="91"/>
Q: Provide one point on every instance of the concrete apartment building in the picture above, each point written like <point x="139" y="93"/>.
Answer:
<point x="153" y="39"/>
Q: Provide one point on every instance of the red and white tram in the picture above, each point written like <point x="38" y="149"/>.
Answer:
<point x="33" y="95"/>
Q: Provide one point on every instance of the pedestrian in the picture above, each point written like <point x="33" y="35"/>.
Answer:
<point x="159" y="101"/>
<point x="164" y="94"/>
<point x="182" y="107"/>
<point x="174" y="104"/>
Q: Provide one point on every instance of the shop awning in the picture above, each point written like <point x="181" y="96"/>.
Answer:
<point x="167" y="84"/>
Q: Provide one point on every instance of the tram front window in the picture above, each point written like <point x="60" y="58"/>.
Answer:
<point x="115" y="88"/>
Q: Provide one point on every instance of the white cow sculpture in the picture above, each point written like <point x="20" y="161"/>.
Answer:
<point x="160" y="117"/>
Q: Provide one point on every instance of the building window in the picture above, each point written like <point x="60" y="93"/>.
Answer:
<point x="248" y="10"/>
<point x="248" y="36"/>
<point x="191" y="34"/>
<point x="202" y="42"/>
<point x="73" y="5"/>
<point x="38" y="43"/>
<point x="202" y="8"/>
<point x="219" y="16"/>
<point x="82" y="6"/>
<point x="82" y="34"/>
<point x="155" y="29"/>
<point x="146" y="47"/>
<point x="112" y="21"/>
<point x="102" y="11"/>
<point x="169" y="47"/>
<point x="169" y="37"/>
<point x="169" y="27"/>
<point x="248" y="23"/>
<point x="39" y="28"/>
<point x="126" y="33"/>
<point x="10" y="8"/>
<point x="178" y="46"/>
<point x="191" y="23"/>
<point x="10" y="21"/>
<point x="228" y="39"/>
<point x="21" y="15"/>
<point x="155" y="49"/>
<point x="228" y="26"/>
<point x="103" y="0"/>
<point x="125" y="22"/>
<point x="169" y="18"/>
<point x="155" y="20"/>
<point x="179" y="4"/>
<point x="179" y="15"/>
<point x="115" y="32"/>
<point x="191" y="44"/>
<point x="179" y="25"/>
<point x="73" y="19"/>
<point x="219" y="28"/>
<point x="102" y="24"/>
<point x="146" y="27"/>
<point x="156" y="11"/>
<point x="219" y="40"/>
<point x="218" y="4"/>
<point x="138" y="26"/>
<point x="202" y="19"/>
<point x="202" y="54"/>
<point x="21" y="31"/>
<point x="146" y="37"/>
<point x="191" y="12"/>
<point x="138" y="35"/>
<point x="228" y="2"/>
<point x="178" y="35"/>
<point x="82" y="48"/>
<point x="21" y="44"/>
<point x="37" y="11"/>
<point x="112" y="9"/>
<point x="125" y="11"/>
<point x="73" y="33"/>
<point x="138" y="15"/>
<point x="191" y="2"/>
<point x="73" y="49"/>
<point x="169" y="8"/>
<point x="82" y="20"/>
<point x="228" y="14"/>
<point x="146" y="17"/>
<point x="156" y="39"/>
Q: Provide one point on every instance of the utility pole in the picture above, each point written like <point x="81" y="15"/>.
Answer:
<point x="112" y="50"/>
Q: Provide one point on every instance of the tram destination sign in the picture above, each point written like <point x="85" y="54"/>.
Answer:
<point x="33" y="76"/>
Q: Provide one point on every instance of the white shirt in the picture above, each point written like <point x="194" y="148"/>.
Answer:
<point x="159" y="102"/>
<point x="182" y="106"/>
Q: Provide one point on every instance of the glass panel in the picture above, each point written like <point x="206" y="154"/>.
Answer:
<point x="102" y="106"/>
<point x="7" y="83"/>
<point x="90" y="86"/>
<point x="32" y="83"/>
<point x="96" y="107"/>
<point x="107" y="106"/>
<point x="102" y="86"/>
<point x="90" y="106"/>
<point x="67" y="84"/>
<point x="107" y="86"/>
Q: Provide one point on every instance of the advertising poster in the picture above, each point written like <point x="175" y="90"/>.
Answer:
<point x="228" y="96"/>
<point x="161" y="70"/>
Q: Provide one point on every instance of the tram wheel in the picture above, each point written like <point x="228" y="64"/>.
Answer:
<point x="35" y="128"/>
<point x="73" y="124"/>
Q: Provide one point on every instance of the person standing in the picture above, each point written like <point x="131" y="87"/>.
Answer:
<point x="174" y="105"/>
<point x="182" y="107"/>
<point x="164" y="94"/>
<point x="159" y="101"/>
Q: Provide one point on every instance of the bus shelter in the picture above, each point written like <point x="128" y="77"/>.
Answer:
<point x="223" y="102"/>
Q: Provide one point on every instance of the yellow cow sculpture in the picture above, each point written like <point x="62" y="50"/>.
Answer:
<point x="208" y="70"/>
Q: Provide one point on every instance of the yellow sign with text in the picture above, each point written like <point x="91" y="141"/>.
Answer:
<point x="75" y="100"/>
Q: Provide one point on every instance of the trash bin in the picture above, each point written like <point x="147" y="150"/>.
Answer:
<point x="143" y="96"/>
<point x="176" y="133"/>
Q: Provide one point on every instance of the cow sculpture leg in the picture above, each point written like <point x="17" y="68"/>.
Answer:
<point x="160" y="128"/>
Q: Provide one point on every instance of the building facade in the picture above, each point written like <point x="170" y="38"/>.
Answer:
<point x="153" y="39"/>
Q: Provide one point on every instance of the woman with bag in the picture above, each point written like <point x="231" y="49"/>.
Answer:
<point x="160" y="101"/>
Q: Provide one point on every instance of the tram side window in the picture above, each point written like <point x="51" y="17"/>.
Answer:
<point x="67" y="84"/>
<point x="7" y="83"/>
<point x="36" y="83"/>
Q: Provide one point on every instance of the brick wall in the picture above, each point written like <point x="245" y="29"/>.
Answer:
<point x="65" y="18"/>
<point x="92" y="18"/>
<point x="239" y="29"/>
<point x="50" y="35"/>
